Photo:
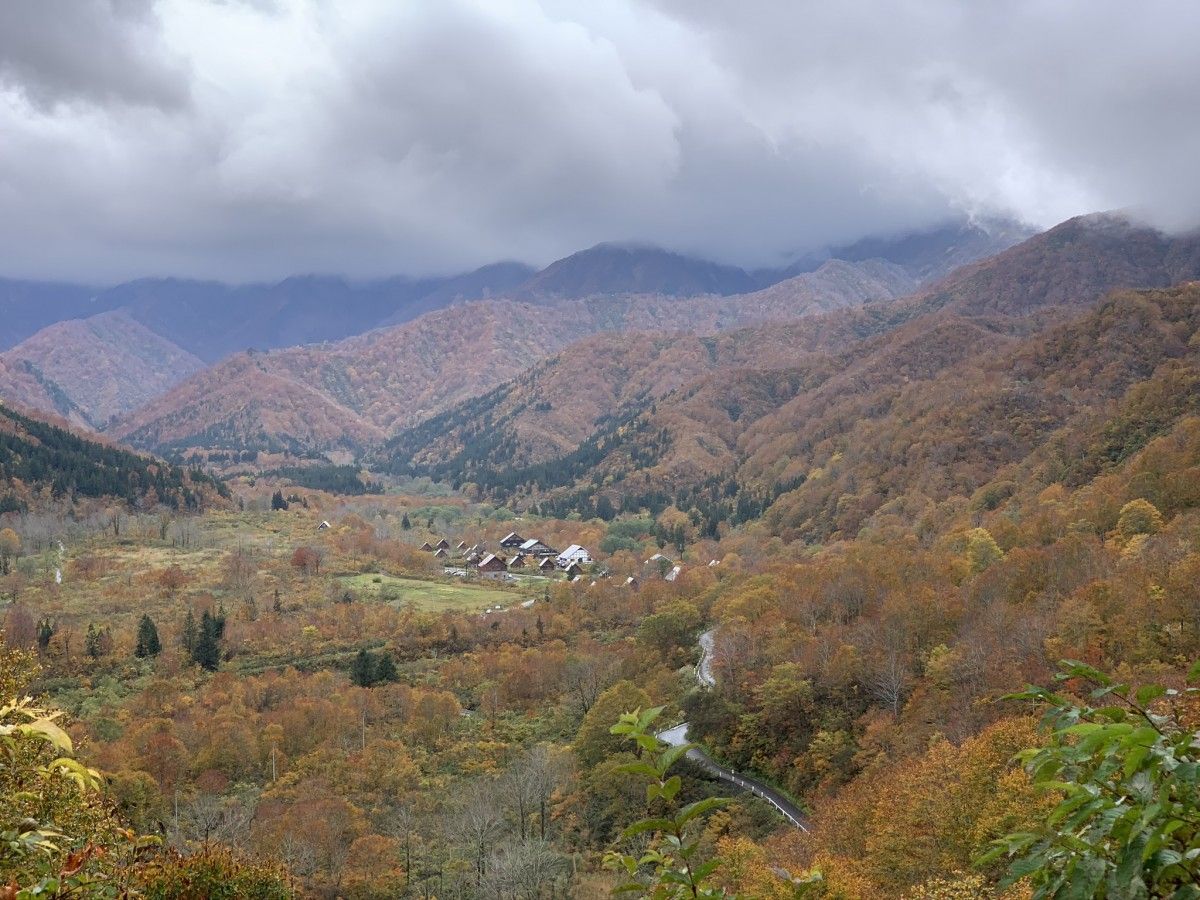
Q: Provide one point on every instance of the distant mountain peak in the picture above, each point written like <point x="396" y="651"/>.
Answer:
<point x="632" y="267"/>
<point x="926" y="254"/>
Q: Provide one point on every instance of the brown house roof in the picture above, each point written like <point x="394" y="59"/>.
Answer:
<point x="492" y="563"/>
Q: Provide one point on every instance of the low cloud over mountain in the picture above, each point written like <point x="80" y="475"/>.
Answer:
<point x="248" y="140"/>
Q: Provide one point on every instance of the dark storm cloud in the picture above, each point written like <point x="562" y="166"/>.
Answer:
<point x="106" y="51"/>
<point x="254" y="138"/>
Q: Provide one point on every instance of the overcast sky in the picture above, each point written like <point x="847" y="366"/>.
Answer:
<point x="244" y="139"/>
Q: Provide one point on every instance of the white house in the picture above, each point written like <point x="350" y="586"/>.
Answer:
<point x="573" y="554"/>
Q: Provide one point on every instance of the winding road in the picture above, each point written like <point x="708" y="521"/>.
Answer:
<point x="679" y="735"/>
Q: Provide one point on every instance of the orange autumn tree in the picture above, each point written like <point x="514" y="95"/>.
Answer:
<point x="893" y="830"/>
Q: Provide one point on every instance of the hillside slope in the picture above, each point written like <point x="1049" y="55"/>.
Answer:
<point x="375" y="384"/>
<point x="42" y="463"/>
<point x="841" y="372"/>
<point x="100" y="367"/>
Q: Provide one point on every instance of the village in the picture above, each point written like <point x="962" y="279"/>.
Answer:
<point x="534" y="556"/>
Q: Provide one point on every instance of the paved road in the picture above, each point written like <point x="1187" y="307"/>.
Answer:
<point x="704" y="671"/>
<point x="679" y="735"/>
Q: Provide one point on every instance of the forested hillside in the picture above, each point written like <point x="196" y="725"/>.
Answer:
<point x="40" y="462"/>
<point x="101" y="366"/>
<point x="559" y="404"/>
<point x="330" y="699"/>
<point x="730" y="440"/>
<point x="881" y="535"/>
<point x="353" y="394"/>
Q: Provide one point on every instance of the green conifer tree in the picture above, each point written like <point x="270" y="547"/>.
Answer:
<point x="91" y="643"/>
<point x="189" y="634"/>
<point x="385" y="669"/>
<point x="148" y="643"/>
<point x="362" y="670"/>
<point x="208" y="644"/>
<point x="44" y="633"/>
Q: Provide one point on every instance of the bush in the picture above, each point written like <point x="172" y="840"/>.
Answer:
<point x="212" y="874"/>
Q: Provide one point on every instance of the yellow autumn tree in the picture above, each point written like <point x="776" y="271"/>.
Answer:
<point x="928" y="818"/>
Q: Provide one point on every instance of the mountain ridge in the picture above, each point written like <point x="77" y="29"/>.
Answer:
<point x="104" y="365"/>
<point x="872" y="350"/>
<point x="392" y="378"/>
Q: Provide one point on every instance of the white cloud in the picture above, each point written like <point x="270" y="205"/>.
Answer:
<point x="255" y="139"/>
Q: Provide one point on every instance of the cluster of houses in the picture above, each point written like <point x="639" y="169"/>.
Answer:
<point x="530" y="553"/>
<point x="517" y="553"/>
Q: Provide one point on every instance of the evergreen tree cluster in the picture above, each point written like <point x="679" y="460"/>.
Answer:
<point x="487" y="456"/>
<point x="203" y="641"/>
<point x="148" y="643"/>
<point x="574" y="483"/>
<point x="45" y="631"/>
<point x="369" y="669"/>
<point x="37" y="453"/>
<point x="329" y="478"/>
<point x="98" y="641"/>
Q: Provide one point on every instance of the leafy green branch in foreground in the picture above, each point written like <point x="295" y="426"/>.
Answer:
<point x="1126" y="765"/>
<point x="671" y="866"/>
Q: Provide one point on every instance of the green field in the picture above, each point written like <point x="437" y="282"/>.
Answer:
<point x="432" y="595"/>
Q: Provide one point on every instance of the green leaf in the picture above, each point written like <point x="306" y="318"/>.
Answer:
<point x="638" y="768"/>
<point x="649" y="716"/>
<point x="703" y="870"/>
<point x="647" y="741"/>
<point x="49" y="731"/>
<point x="643" y="825"/>
<point x="1193" y="673"/>
<point x="1073" y="668"/>
<point x="1148" y="693"/>
<point x="699" y="808"/>
<point x="671" y="755"/>
<point x="1134" y="759"/>
<point x="1085" y="879"/>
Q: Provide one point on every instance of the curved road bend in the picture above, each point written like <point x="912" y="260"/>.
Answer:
<point x="678" y="735"/>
